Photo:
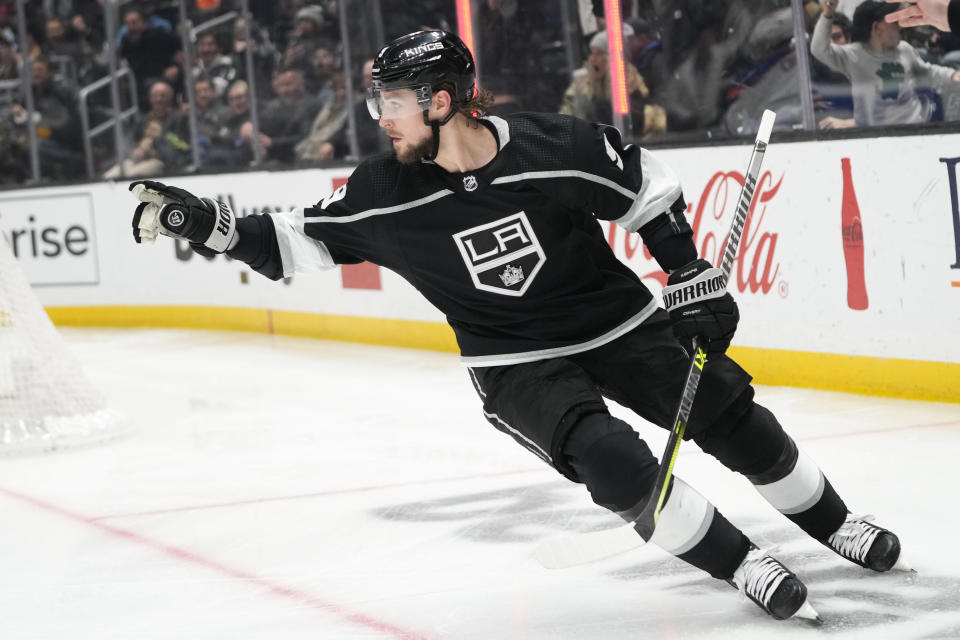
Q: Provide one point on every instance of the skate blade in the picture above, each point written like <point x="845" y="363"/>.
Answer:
<point x="807" y="612"/>
<point x="903" y="565"/>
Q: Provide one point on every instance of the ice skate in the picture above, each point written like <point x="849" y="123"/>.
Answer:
<point x="868" y="545"/>
<point x="773" y="587"/>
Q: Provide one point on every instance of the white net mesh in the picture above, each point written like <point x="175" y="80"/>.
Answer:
<point x="46" y="401"/>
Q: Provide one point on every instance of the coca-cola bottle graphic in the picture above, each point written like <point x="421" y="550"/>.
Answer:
<point x="852" y="242"/>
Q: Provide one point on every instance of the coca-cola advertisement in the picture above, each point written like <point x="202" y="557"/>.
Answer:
<point x="710" y="212"/>
<point x="851" y="225"/>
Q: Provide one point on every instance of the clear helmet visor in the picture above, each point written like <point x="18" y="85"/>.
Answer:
<point x="398" y="102"/>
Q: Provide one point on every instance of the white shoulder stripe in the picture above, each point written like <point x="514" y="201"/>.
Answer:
<point x="660" y="189"/>
<point x="299" y="253"/>
<point x="538" y="175"/>
<point x="379" y="212"/>
<point x="502" y="127"/>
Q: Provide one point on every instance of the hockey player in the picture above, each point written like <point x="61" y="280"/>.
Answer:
<point x="494" y="221"/>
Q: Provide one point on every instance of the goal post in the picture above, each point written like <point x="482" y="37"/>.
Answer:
<point x="46" y="400"/>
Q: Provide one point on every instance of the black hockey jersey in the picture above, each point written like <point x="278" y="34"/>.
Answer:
<point x="511" y="253"/>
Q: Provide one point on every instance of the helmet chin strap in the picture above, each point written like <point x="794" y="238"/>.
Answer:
<point x="435" y="128"/>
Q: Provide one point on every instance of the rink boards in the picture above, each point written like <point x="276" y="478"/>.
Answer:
<point x="808" y="317"/>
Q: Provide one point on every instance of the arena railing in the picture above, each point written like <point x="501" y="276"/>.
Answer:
<point x="108" y="124"/>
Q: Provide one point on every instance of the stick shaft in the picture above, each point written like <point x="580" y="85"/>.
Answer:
<point x="647" y="520"/>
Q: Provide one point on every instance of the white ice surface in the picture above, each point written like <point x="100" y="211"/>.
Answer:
<point x="279" y="488"/>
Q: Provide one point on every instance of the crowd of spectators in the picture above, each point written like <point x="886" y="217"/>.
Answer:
<point x="693" y="68"/>
<point x="297" y="73"/>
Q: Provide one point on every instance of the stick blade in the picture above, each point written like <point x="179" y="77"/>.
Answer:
<point x="574" y="549"/>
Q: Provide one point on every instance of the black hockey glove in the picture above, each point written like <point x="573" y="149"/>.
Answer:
<point x="208" y="225"/>
<point x="696" y="297"/>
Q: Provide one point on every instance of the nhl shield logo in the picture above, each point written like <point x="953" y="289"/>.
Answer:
<point x="470" y="183"/>
<point x="502" y="257"/>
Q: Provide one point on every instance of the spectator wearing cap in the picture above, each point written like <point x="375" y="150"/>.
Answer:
<point x="589" y="95"/>
<point x="887" y="76"/>
<point x="305" y="38"/>
<point x="308" y="22"/>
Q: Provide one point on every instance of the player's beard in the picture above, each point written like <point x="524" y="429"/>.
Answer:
<point x="416" y="152"/>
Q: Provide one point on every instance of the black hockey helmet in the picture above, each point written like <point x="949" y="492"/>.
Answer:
<point x="422" y="61"/>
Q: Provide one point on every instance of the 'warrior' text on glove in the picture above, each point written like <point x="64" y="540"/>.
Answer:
<point x="696" y="297"/>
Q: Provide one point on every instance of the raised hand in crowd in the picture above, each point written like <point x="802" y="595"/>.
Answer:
<point x="924" y="12"/>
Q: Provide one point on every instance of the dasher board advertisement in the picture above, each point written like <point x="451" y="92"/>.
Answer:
<point x="851" y="247"/>
<point x="53" y="237"/>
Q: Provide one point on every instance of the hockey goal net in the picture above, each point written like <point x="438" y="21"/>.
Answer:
<point x="46" y="401"/>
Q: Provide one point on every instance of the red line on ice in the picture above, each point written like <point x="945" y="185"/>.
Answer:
<point x="315" y="494"/>
<point x="430" y="481"/>
<point x="290" y="593"/>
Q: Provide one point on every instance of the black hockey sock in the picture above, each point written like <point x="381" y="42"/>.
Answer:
<point x="824" y="517"/>
<point x="797" y="488"/>
<point x="721" y="550"/>
<point x="756" y="446"/>
<point x="619" y="471"/>
<point x="692" y="529"/>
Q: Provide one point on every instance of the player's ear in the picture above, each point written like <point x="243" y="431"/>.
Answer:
<point x="442" y="103"/>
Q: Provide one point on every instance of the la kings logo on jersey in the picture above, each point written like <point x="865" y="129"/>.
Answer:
<point x="503" y="256"/>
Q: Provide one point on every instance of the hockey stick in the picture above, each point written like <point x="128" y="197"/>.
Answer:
<point x="568" y="550"/>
